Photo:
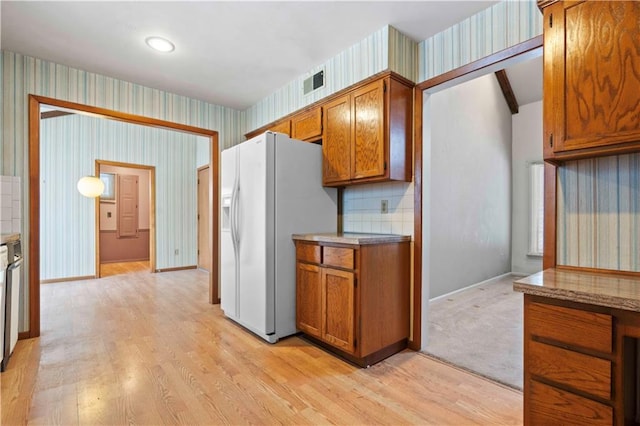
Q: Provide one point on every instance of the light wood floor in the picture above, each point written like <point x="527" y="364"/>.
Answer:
<point x="148" y="349"/>
<point x="110" y="269"/>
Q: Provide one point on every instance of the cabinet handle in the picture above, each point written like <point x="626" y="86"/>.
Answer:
<point x="551" y="20"/>
<point x="551" y="140"/>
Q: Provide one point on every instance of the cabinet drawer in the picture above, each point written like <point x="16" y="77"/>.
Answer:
<point x="308" y="252"/>
<point x="582" y="372"/>
<point x="338" y="257"/>
<point x="552" y="406"/>
<point x="576" y="327"/>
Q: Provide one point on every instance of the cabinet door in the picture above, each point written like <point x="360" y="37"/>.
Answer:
<point x="308" y="299"/>
<point x="368" y="144"/>
<point x="592" y="74"/>
<point x="338" y="309"/>
<point x="336" y="142"/>
<point x="282" y="127"/>
<point x="307" y="126"/>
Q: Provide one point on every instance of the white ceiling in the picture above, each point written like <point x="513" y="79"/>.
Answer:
<point x="231" y="53"/>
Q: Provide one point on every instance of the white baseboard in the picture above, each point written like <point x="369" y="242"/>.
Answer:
<point x="490" y="280"/>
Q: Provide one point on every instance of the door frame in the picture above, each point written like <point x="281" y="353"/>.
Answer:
<point x="35" y="101"/>
<point x="198" y="170"/>
<point x="152" y="211"/>
<point x="444" y="80"/>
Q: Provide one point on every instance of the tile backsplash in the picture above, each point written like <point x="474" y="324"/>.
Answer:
<point x="362" y="208"/>
<point x="10" y="204"/>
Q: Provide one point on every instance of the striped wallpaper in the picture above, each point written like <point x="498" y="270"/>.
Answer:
<point x="599" y="213"/>
<point x="22" y="75"/>
<point x="69" y="147"/>
<point x="503" y="25"/>
<point x="356" y="63"/>
<point x="385" y="49"/>
<point x="403" y="55"/>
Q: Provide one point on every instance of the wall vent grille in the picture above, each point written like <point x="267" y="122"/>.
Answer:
<point x="315" y="82"/>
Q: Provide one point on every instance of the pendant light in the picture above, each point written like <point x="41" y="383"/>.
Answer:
<point x="90" y="186"/>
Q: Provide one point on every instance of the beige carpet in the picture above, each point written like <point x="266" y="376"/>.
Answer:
<point x="480" y="329"/>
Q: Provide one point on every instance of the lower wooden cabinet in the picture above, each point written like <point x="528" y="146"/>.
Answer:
<point x="309" y="299"/>
<point x="569" y="365"/>
<point x="354" y="300"/>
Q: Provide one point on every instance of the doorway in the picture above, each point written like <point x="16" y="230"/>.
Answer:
<point x="204" y="251"/>
<point x="35" y="103"/>
<point x="119" y="250"/>
<point x="476" y="217"/>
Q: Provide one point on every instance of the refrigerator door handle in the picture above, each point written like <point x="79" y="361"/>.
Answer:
<point x="232" y="218"/>
<point x="236" y="213"/>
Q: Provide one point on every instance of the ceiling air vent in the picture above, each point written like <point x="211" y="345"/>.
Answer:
<point x="314" y="82"/>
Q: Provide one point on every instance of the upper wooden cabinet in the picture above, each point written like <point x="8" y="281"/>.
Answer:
<point x="307" y="125"/>
<point x="367" y="134"/>
<point x="336" y="141"/>
<point x="281" y="126"/>
<point x="591" y="78"/>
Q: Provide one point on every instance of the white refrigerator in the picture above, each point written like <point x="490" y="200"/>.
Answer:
<point x="271" y="188"/>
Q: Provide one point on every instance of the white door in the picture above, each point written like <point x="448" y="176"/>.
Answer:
<point x="228" y="264"/>
<point x="255" y="227"/>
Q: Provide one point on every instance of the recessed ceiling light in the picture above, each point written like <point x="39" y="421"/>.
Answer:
<point x="160" y="44"/>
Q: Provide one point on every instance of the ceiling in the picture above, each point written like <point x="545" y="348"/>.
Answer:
<point x="227" y="53"/>
<point x="231" y="53"/>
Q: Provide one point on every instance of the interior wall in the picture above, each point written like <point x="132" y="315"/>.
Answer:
<point x="69" y="147"/>
<point x="23" y="75"/>
<point x="467" y="206"/>
<point x="202" y="152"/>
<point x="527" y="149"/>
<point x="354" y="64"/>
<point x="598" y="213"/>
<point x="362" y="212"/>
<point x="498" y="27"/>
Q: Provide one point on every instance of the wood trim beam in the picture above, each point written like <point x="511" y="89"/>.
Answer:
<point x="54" y="114"/>
<point x="415" y="341"/>
<point x="507" y="91"/>
<point x="491" y="60"/>
<point x="123" y="116"/>
<point x="34" y="190"/>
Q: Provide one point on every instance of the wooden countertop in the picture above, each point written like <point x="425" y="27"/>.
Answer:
<point x="352" y="238"/>
<point x="595" y="288"/>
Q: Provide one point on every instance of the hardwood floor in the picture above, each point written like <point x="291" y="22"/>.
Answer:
<point x="120" y="268"/>
<point x="148" y="349"/>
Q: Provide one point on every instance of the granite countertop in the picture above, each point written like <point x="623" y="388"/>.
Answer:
<point x="6" y="238"/>
<point x="595" y="288"/>
<point x="352" y="238"/>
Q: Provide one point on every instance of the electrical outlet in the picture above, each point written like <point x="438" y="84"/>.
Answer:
<point x="384" y="206"/>
<point x="176" y="252"/>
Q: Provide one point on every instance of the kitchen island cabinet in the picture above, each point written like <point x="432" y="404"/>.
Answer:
<point x="352" y="293"/>
<point x="581" y="358"/>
